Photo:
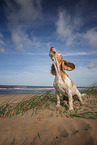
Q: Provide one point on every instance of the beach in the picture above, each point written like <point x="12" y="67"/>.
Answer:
<point x="23" y="124"/>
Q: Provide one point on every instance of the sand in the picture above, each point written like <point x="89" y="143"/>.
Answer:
<point x="45" y="127"/>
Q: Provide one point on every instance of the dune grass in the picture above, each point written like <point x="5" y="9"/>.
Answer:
<point x="48" y="100"/>
<point x="91" y="89"/>
<point x="36" y="102"/>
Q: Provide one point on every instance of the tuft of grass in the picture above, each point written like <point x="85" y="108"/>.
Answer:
<point x="35" y="103"/>
<point x="92" y="90"/>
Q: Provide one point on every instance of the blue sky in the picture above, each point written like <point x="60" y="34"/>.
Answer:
<point x="28" y="28"/>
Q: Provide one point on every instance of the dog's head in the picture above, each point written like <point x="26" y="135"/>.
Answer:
<point x="58" y="62"/>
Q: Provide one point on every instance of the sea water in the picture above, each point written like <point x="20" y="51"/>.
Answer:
<point x="11" y="89"/>
<point x="6" y="89"/>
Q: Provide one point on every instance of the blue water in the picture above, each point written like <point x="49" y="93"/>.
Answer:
<point x="5" y="90"/>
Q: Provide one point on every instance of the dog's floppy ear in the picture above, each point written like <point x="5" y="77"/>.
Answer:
<point x="66" y="65"/>
<point x="53" y="71"/>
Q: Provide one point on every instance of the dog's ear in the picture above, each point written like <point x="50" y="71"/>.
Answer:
<point x="66" y="65"/>
<point x="53" y="71"/>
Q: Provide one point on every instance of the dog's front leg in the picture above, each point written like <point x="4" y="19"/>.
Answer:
<point x="70" y="100"/>
<point x="79" y="96"/>
<point x="58" y="101"/>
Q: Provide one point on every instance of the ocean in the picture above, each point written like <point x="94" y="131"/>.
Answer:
<point x="8" y="89"/>
<point x="11" y="89"/>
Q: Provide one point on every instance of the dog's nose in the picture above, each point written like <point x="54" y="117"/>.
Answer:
<point x="53" y="49"/>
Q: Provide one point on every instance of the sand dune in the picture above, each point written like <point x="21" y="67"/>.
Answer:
<point x="47" y="128"/>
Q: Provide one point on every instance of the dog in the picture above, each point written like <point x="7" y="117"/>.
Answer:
<point x="63" y="84"/>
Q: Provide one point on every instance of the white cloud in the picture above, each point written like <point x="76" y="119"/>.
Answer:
<point x="21" y="16"/>
<point x="1" y="35"/>
<point x="2" y="50"/>
<point x="91" y="37"/>
<point x="2" y="44"/>
<point x="23" y="10"/>
<point x="67" y="26"/>
<point x="1" y="39"/>
<point x="30" y="9"/>
<point x="92" y="64"/>
<point x="79" y="53"/>
<point x="20" y="39"/>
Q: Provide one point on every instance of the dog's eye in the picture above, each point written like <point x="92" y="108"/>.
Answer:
<point x="64" y="62"/>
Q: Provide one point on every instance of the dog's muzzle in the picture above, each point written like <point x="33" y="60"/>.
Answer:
<point x="52" y="52"/>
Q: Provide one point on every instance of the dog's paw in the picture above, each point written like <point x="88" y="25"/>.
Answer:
<point x="82" y="103"/>
<point x="71" y="109"/>
<point x="58" y="105"/>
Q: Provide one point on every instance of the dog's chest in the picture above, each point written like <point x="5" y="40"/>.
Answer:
<point x="61" y="86"/>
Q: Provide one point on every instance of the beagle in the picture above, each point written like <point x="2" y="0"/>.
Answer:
<point x="63" y="84"/>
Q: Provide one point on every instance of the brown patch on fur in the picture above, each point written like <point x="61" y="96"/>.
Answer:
<point x="66" y="65"/>
<point x="72" y="83"/>
<point x="53" y="71"/>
